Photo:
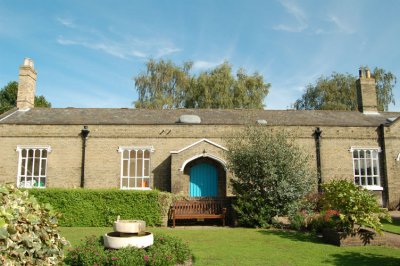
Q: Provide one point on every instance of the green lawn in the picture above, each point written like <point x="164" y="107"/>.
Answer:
<point x="393" y="227"/>
<point x="240" y="246"/>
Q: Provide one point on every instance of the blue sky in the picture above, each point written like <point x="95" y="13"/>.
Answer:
<point x="86" y="52"/>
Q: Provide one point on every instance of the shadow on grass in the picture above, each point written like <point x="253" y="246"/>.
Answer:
<point x="355" y="258"/>
<point x="293" y="235"/>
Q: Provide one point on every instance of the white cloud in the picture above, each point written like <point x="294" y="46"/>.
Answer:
<point x="299" y="15"/>
<point x="341" y="25"/>
<point x="67" y="22"/>
<point x="200" y="64"/>
<point x="167" y="50"/>
<point x="124" y="49"/>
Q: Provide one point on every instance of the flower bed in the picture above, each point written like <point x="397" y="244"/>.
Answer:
<point x="166" y="250"/>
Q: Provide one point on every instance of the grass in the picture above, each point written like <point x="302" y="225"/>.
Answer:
<point x="241" y="246"/>
<point x="393" y="227"/>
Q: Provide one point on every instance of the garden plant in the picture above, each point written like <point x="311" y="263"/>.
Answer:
<point x="271" y="175"/>
<point x="349" y="208"/>
<point x="166" y="250"/>
<point x="28" y="230"/>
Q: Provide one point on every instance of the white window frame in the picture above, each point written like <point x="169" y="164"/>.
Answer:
<point x="22" y="177"/>
<point x="373" y="161"/>
<point x="136" y="176"/>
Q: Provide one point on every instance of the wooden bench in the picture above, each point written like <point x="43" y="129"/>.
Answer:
<point x="198" y="209"/>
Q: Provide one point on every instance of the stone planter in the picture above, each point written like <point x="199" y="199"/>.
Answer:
<point x="129" y="226"/>
<point x="362" y="238"/>
<point x="116" y="240"/>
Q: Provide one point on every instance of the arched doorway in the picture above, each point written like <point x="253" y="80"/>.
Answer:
<point x="203" y="180"/>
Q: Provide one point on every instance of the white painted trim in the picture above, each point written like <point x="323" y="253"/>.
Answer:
<point x="135" y="148"/>
<point x="352" y="148"/>
<point x="8" y="115"/>
<point x="19" y="149"/>
<point x="216" y="158"/>
<point x="197" y="142"/>
<point x="375" y="188"/>
<point x="371" y="113"/>
<point x="121" y="149"/>
<point x="44" y="147"/>
<point x="136" y="188"/>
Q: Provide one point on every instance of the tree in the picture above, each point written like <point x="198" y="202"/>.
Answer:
<point x="166" y="85"/>
<point x="8" y="98"/>
<point x="163" y="85"/>
<point x="271" y="175"/>
<point x="339" y="92"/>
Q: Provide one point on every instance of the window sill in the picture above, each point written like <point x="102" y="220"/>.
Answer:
<point x="135" y="188"/>
<point x="375" y="188"/>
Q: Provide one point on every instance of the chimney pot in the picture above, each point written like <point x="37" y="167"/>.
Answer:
<point x="368" y="73"/>
<point x="28" y="62"/>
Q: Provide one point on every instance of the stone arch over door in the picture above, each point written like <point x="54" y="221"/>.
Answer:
<point x="194" y="153"/>
<point x="207" y="178"/>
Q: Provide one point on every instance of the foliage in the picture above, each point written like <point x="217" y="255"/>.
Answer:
<point x="165" y="200"/>
<point x="339" y="92"/>
<point x="28" y="230"/>
<point x="166" y="85"/>
<point x="100" y="207"/>
<point x="8" y="98"/>
<point x="305" y="213"/>
<point x="271" y="175"/>
<point x="166" y="250"/>
<point x="349" y="207"/>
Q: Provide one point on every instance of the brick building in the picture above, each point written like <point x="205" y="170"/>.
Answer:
<point x="182" y="150"/>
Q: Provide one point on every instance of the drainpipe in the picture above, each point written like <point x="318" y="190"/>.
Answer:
<point x="84" y="135"/>
<point x="385" y="194"/>
<point x="317" y="137"/>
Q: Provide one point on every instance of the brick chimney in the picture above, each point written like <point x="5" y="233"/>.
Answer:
<point x="366" y="92"/>
<point x="26" y="85"/>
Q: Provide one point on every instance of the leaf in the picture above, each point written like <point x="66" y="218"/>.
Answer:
<point x="4" y="233"/>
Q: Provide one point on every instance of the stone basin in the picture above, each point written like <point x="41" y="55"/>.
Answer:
<point x="129" y="226"/>
<point x="117" y="240"/>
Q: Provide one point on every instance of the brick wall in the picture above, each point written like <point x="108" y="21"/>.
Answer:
<point x="103" y="161"/>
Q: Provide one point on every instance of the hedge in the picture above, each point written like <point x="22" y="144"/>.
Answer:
<point x="100" y="207"/>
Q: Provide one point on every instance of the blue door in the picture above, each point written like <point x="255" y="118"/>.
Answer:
<point x="203" y="180"/>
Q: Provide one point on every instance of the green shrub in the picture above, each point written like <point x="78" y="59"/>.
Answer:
<point x="348" y="207"/>
<point x="271" y="175"/>
<point x="100" y="207"/>
<point x="166" y="250"/>
<point x="28" y="230"/>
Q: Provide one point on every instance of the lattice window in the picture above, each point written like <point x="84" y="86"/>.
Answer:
<point x="32" y="166"/>
<point x="135" y="167"/>
<point x="366" y="167"/>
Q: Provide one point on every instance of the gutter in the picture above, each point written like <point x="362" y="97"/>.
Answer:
<point x="317" y="137"/>
<point x="84" y="135"/>
<point x="385" y="193"/>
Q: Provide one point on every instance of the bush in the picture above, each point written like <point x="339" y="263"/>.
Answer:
<point x="271" y="175"/>
<point x="28" y="230"/>
<point x="166" y="250"/>
<point x="305" y="213"/>
<point x="348" y="207"/>
<point x="100" y="207"/>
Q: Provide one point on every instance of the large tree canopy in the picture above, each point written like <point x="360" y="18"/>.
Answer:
<point x="166" y="85"/>
<point x="8" y="98"/>
<point x="338" y="92"/>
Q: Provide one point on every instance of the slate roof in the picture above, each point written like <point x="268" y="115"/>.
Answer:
<point x="124" y="116"/>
